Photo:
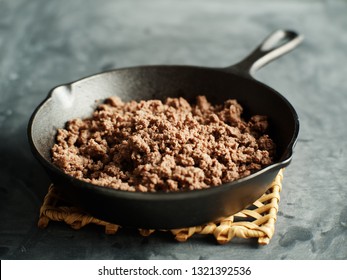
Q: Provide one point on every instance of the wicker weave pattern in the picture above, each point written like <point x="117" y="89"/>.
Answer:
<point x="257" y="221"/>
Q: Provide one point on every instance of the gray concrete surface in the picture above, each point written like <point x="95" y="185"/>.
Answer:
<point x="46" y="43"/>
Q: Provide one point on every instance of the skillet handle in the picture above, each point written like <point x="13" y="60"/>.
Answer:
<point x="277" y="44"/>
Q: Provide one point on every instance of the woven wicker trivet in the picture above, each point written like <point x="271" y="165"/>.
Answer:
<point x="257" y="221"/>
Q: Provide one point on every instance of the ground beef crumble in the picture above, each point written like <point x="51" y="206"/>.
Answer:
<point x="149" y="146"/>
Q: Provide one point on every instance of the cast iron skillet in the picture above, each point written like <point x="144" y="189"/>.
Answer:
<point x="170" y="210"/>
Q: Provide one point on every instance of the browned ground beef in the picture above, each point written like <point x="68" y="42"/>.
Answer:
<point x="149" y="146"/>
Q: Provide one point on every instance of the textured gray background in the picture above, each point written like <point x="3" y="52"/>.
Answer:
<point x="46" y="43"/>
